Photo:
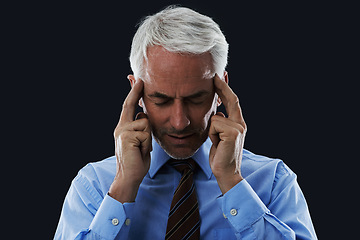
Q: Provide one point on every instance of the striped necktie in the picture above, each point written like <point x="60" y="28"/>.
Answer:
<point x="184" y="219"/>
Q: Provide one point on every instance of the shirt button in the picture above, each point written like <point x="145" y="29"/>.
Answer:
<point x="233" y="212"/>
<point x="127" y="222"/>
<point x="115" y="221"/>
<point x="224" y="215"/>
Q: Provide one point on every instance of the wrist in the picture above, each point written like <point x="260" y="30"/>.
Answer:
<point x="228" y="180"/>
<point x="123" y="191"/>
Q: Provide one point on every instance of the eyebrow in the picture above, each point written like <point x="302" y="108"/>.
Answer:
<point x="164" y="96"/>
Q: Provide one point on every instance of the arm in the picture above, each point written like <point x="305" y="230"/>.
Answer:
<point x="88" y="215"/>
<point x="248" y="215"/>
<point x="285" y="217"/>
<point x="132" y="147"/>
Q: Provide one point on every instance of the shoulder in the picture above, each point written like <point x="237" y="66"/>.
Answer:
<point x="254" y="164"/>
<point x="264" y="174"/>
<point x="98" y="175"/>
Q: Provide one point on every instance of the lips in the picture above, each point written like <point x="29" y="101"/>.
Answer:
<point x="180" y="136"/>
<point x="179" y="139"/>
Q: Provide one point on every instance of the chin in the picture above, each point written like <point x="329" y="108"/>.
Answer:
<point x="178" y="152"/>
<point x="180" y="156"/>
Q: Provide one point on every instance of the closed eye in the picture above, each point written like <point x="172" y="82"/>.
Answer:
<point x="162" y="103"/>
<point x="161" y="99"/>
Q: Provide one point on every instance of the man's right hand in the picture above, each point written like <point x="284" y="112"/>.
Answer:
<point x="133" y="145"/>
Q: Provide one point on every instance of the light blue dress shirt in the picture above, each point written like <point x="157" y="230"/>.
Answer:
<point x="267" y="204"/>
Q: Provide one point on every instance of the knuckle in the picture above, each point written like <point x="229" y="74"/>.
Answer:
<point x="235" y="99"/>
<point x="234" y="132"/>
<point x="244" y="128"/>
<point x="241" y="128"/>
<point x="124" y="136"/>
<point x="242" y="131"/>
<point x="146" y="124"/>
<point x="215" y="118"/>
<point x="120" y="128"/>
<point x="126" y="103"/>
<point x="141" y="122"/>
<point x="146" y="135"/>
<point x="117" y="131"/>
<point x="144" y="121"/>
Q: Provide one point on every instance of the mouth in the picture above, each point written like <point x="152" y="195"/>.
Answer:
<point x="180" y="139"/>
<point x="181" y="136"/>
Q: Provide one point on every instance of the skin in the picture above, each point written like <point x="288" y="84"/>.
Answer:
<point x="179" y="94"/>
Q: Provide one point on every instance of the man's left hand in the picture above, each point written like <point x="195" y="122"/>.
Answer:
<point x="227" y="136"/>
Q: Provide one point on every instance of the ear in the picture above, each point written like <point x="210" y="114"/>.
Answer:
<point x="132" y="81"/>
<point x="226" y="79"/>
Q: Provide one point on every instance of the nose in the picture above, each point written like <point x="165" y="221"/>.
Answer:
<point x="179" y="119"/>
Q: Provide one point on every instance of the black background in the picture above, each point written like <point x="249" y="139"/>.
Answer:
<point x="68" y="65"/>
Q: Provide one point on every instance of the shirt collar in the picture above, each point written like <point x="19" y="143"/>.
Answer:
<point x="159" y="157"/>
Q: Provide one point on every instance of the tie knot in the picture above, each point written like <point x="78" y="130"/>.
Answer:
<point x="183" y="166"/>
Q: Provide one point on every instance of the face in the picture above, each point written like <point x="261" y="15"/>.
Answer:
<point x="179" y="99"/>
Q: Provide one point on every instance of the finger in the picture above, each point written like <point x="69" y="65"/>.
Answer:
<point x="142" y="137"/>
<point x="214" y="136"/>
<point x="225" y="122"/>
<point x="213" y="133"/>
<point x="230" y="100"/>
<point x="137" y="125"/>
<point x="131" y="101"/>
<point x="143" y="141"/>
<point x="218" y="128"/>
<point x="220" y="114"/>
<point x="140" y="116"/>
<point x="146" y="146"/>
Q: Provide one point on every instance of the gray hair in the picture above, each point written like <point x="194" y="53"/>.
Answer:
<point x="181" y="30"/>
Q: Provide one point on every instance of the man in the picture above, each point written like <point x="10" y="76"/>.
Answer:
<point x="180" y="170"/>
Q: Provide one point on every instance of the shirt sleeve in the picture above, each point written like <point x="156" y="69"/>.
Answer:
<point x="86" y="214"/>
<point x="285" y="217"/>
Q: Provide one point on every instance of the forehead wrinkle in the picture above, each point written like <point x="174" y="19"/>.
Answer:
<point x="153" y="89"/>
<point x="199" y="93"/>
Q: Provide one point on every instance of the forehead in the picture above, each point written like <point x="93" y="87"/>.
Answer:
<point x="170" y="70"/>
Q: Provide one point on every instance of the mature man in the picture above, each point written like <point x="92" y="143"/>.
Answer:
<point x="180" y="170"/>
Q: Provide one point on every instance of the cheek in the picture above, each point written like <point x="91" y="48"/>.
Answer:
<point x="147" y="106"/>
<point x="207" y="113"/>
<point x="153" y="113"/>
<point x="210" y="113"/>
